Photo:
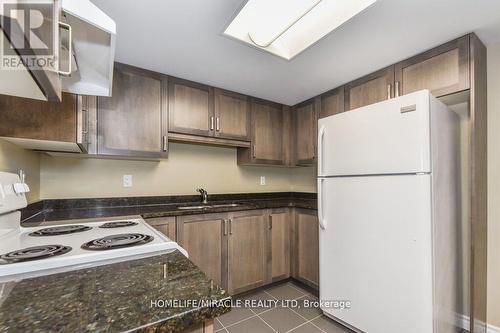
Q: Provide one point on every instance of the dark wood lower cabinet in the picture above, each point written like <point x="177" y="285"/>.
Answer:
<point x="279" y="243"/>
<point x="305" y="248"/>
<point x="244" y="250"/>
<point x="165" y="225"/>
<point x="202" y="237"/>
<point x="246" y="255"/>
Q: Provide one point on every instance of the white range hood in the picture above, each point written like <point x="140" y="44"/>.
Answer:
<point x="93" y="37"/>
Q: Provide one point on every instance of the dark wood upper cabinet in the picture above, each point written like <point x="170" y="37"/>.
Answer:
<point x="443" y="70"/>
<point x="232" y="115"/>
<point x="332" y="102"/>
<point x="133" y="122"/>
<point x="190" y="107"/>
<point x="49" y="126"/>
<point x="370" y="89"/>
<point x="306" y="126"/>
<point x="267" y="135"/>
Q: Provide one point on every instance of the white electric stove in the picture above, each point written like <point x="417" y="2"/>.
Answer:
<point x="68" y="245"/>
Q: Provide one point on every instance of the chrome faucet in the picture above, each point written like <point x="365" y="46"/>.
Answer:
<point x="204" y="195"/>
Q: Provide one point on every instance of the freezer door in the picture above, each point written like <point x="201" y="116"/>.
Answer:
<point x="376" y="252"/>
<point x="389" y="137"/>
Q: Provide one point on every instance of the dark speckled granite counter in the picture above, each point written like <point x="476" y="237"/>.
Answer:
<point x="149" y="207"/>
<point x="112" y="298"/>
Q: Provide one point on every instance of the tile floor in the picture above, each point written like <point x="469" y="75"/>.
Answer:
<point x="277" y="319"/>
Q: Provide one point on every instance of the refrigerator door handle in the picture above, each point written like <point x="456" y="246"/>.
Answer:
<point x="321" y="136"/>
<point x="322" y="223"/>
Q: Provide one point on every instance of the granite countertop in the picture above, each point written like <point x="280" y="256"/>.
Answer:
<point x="151" y="207"/>
<point x="112" y="298"/>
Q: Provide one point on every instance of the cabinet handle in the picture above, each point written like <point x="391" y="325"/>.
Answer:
<point x="70" y="49"/>
<point x="396" y="89"/>
<point x="270" y="222"/>
<point x="211" y="123"/>
<point x="217" y="124"/>
<point x="230" y="226"/>
<point x="253" y="151"/>
<point x="224" y="222"/>
<point x="164" y="143"/>
<point x="389" y="91"/>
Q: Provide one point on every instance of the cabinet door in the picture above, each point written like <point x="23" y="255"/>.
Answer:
<point x="33" y="119"/>
<point x="133" y="121"/>
<point x="306" y="125"/>
<point x="190" y="107"/>
<point x="202" y="237"/>
<point x="332" y="102"/>
<point x="246" y="251"/>
<point x="232" y="115"/>
<point x="267" y="132"/>
<point x="443" y="70"/>
<point x="370" y="89"/>
<point x="165" y="225"/>
<point x="279" y="243"/>
<point x="306" y="247"/>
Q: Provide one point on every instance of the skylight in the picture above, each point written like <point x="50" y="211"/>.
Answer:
<point x="287" y="27"/>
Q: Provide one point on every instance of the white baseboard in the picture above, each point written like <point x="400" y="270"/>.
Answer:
<point x="480" y="326"/>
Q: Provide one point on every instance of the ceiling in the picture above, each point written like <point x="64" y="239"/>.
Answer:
<point x="184" y="38"/>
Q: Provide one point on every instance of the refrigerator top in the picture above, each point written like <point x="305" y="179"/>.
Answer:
<point x="390" y="137"/>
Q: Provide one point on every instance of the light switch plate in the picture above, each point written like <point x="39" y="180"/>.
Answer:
<point x="262" y="180"/>
<point x="127" y="180"/>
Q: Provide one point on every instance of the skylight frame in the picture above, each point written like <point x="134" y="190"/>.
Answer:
<point x="282" y="57"/>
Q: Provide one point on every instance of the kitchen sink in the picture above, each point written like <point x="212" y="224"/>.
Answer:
<point x="225" y="205"/>
<point x="198" y="207"/>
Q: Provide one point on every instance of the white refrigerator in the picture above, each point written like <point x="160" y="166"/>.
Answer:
<point x="389" y="215"/>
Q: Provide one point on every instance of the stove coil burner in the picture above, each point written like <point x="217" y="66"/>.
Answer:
<point x="35" y="253"/>
<point x="117" y="241"/>
<point x="118" y="224"/>
<point x="62" y="230"/>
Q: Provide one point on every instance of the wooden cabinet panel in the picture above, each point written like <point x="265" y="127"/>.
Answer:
<point x="50" y="126"/>
<point x="246" y="251"/>
<point x="279" y="244"/>
<point x="133" y="121"/>
<point x="39" y="120"/>
<point x="267" y="133"/>
<point x="306" y="126"/>
<point x="232" y="115"/>
<point x="202" y="237"/>
<point x="332" y="102"/>
<point x="190" y="108"/>
<point x="165" y="225"/>
<point x="306" y="247"/>
<point x="443" y="70"/>
<point x="370" y="89"/>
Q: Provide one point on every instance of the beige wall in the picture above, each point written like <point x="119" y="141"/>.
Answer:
<point x="494" y="185"/>
<point x="13" y="158"/>
<point x="187" y="168"/>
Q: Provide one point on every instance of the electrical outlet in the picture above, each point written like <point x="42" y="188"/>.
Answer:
<point x="262" y="180"/>
<point x="127" y="180"/>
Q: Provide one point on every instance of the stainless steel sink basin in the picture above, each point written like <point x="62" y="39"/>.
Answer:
<point x="198" y="207"/>
<point x="191" y="207"/>
<point x="225" y="205"/>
